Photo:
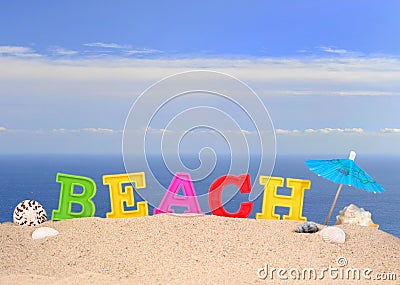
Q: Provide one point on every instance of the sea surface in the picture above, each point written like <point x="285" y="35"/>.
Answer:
<point x="34" y="177"/>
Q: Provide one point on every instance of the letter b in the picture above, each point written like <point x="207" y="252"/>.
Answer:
<point x="68" y="197"/>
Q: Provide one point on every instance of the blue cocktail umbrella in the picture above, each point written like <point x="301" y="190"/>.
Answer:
<point x="344" y="171"/>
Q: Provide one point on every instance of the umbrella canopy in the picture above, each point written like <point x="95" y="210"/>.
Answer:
<point x="344" y="171"/>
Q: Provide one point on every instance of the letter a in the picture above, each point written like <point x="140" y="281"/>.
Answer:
<point x="294" y="202"/>
<point x="189" y="200"/>
<point x="68" y="197"/>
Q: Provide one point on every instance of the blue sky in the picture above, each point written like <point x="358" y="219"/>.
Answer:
<point x="328" y="72"/>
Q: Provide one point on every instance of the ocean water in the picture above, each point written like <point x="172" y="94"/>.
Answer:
<point x="34" y="177"/>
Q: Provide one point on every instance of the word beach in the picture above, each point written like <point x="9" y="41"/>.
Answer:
<point x="121" y="195"/>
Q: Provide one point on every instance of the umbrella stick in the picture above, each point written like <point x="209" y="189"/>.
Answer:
<point x="333" y="204"/>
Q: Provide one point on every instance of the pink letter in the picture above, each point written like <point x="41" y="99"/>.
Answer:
<point x="189" y="200"/>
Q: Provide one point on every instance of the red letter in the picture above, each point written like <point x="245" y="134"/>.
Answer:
<point x="215" y="195"/>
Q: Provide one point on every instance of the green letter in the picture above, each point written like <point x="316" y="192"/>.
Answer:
<point x="68" y="197"/>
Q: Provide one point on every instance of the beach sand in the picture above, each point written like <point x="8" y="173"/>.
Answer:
<point x="171" y="249"/>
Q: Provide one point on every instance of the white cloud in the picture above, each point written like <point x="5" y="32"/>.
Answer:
<point x="101" y="130"/>
<point x="14" y="49"/>
<point x="60" y="130"/>
<point x="107" y="45"/>
<point x="126" y="49"/>
<point x="150" y="130"/>
<point x="337" y="92"/>
<point x="246" y="132"/>
<point x="286" y="132"/>
<point x="87" y="130"/>
<point x="390" y="130"/>
<point x="83" y="76"/>
<point x="119" y="76"/>
<point x="302" y="51"/>
<point x="142" y="51"/>
<point x="63" y="51"/>
<point x="18" y="51"/>
<point x="198" y="131"/>
<point x="364" y="93"/>
<point x="333" y="50"/>
<point x="202" y="131"/>
<point x="321" y="131"/>
<point x="335" y="130"/>
<point x="354" y="130"/>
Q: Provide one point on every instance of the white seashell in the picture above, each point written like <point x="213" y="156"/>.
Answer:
<point x="44" y="232"/>
<point x="29" y="213"/>
<point x="333" y="235"/>
<point x="355" y="215"/>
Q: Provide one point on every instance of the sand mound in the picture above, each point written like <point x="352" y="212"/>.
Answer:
<point x="170" y="249"/>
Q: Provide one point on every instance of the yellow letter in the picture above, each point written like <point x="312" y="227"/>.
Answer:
<point x="294" y="202"/>
<point x="118" y="196"/>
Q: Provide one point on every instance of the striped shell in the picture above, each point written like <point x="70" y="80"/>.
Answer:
<point x="29" y="213"/>
<point x="307" y="227"/>
<point x="333" y="235"/>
